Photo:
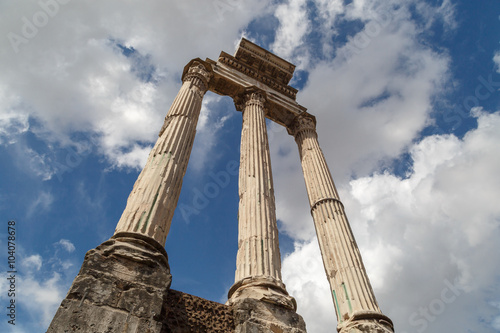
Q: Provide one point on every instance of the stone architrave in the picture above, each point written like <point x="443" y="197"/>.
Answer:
<point x="152" y="202"/>
<point x="354" y="300"/>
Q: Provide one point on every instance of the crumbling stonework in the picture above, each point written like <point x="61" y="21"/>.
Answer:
<point x="184" y="313"/>
<point x="121" y="287"/>
<point x="152" y="202"/>
<point x="255" y="316"/>
<point x="367" y="322"/>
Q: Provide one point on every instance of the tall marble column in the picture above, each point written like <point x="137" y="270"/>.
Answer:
<point x="150" y="206"/>
<point x="354" y="300"/>
<point x="258" y="262"/>
<point x="124" y="283"/>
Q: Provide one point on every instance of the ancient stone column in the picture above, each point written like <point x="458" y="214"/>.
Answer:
<point x="258" y="255"/>
<point x="258" y="262"/>
<point x="123" y="284"/>
<point x="150" y="206"/>
<point x="354" y="300"/>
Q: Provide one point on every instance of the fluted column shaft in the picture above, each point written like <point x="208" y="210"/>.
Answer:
<point x="150" y="206"/>
<point x="258" y="262"/>
<point x="350" y="286"/>
<point x="258" y="246"/>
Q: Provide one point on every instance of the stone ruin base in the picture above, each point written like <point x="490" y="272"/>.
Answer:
<point x="186" y="313"/>
<point x="121" y="287"/>
<point x="255" y="316"/>
<point x="124" y="286"/>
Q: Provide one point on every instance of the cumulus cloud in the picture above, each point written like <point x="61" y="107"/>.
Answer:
<point x="42" y="297"/>
<point x="13" y="120"/>
<point x="101" y="70"/>
<point x="294" y="26"/>
<point x="432" y="230"/>
<point x="41" y="283"/>
<point x="374" y="103"/>
<point x="32" y="262"/>
<point x="305" y="280"/>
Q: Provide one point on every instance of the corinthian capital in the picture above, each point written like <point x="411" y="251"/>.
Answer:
<point x="254" y="97"/>
<point x="198" y="75"/>
<point x="302" y="122"/>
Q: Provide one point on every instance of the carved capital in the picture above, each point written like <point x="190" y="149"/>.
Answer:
<point x="250" y="98"/>
<point x="301" y="123"/>
<point x="198" y="76"/>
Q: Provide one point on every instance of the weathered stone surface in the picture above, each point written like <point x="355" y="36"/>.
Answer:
<point x="262" y="288"/>
<point x="349" y="283"/>
<point x="121" y="287"/>
<point x="367" y="322"/>
<point x="184" y="313"/>
<point x="151" y="205"/>
<point x="254" y="316"/>
<point x="258" y="295"/>
<point x="258" y="245"/>
<point x="263" y="62"/>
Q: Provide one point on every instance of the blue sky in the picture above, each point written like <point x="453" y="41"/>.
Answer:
<point x="406" y="94"/>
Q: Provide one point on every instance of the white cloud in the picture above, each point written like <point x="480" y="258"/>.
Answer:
<point x="71" y="77"/>
<point x="41" y="284"/>
<point x="496" y="321"/>
<point x="212" y="119"/>
<point x="13" y="121"/>
<point x="294" y="25"/>
<point x="328" y="12"/>
<point x="434" y="228"/>
<point x="134" y="158"/>
<point x="32" y="262"/>
<point x="305" y="280"/>
<point x="496" y="60"/>
<point x="373" y="104"/>
<point x="42" y="296"/>
<point x="445" y="12"/>
<point x="67" y="245"/>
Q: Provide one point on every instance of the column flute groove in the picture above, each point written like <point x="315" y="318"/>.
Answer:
<point x="151" y="204"/>
<point x="258" y="261"/>
<point x="353" y="297"/>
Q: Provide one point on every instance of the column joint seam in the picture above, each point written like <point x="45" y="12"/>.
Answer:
<point x="320" y="201"/>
